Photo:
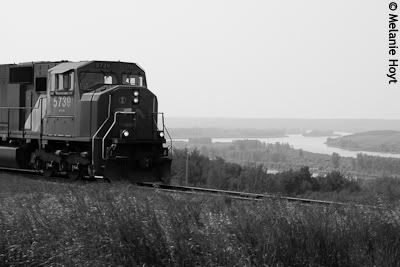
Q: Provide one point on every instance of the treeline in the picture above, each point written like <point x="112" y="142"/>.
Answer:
<point x="368" y="163"/>
<point x="283" y="157"/>
<point x="178" y="133"/>
<point x="192" y="168"/>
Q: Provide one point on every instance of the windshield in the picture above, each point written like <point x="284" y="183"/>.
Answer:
<point x="132" y="79"/>
<point x="89" y="80"/>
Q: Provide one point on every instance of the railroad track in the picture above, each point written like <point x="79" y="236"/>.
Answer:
<point x="28" y="171"/>
<point x="216" y="192"/>
<point x="245" y="195"/>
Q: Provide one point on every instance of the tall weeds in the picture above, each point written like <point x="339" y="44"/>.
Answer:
<point x="100" y="224"/>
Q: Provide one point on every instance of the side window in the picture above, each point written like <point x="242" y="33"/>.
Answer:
<point x="58" y="81"/>
<point x="64" y="81"/>
<point x="40" y="84"/>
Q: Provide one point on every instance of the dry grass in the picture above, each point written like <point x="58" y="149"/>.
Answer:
<point x="44" y="223"/>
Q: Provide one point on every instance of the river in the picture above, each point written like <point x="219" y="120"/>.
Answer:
<point x="310" y="144"/>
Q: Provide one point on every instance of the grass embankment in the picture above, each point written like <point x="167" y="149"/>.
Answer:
<point x="45" y="223"/>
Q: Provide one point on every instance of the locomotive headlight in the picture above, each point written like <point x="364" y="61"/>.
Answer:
<point x="125" y="133"/>
<point x="136" y="93"/>
<point x="136" y="100"/>
<point x="161" y="134"/>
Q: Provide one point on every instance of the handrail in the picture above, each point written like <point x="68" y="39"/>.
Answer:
<point x="109" y="130"/>
<point x="101" y="127"/>
<point x="164" y="128"/>
<point x="170" y="140"/>
<point x="19" y="107"/>
<point x="41" y="124"/>
<point x="39" y="107"/>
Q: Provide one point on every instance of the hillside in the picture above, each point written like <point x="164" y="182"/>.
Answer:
<point x="99" y="224"/>
<point x="375" y="141"/>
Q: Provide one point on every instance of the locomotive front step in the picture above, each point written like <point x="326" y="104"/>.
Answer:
<point x="135" y="171"/>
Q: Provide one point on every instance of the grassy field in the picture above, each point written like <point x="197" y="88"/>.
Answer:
<point x="98" y="224"/>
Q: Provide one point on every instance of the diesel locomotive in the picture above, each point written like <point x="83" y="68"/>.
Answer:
<point x="88" y="118"/>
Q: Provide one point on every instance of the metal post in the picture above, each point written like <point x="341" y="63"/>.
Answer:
<point x="31" y="111"/>
<point x="187" y="168"/>
<point x="163" y="124"/>
<point x="8" y="123"/>
<point x="23" y="121"/>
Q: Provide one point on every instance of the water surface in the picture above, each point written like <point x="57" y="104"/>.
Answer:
<point x="310" y="144"/>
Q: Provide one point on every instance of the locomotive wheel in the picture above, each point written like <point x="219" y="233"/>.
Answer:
<point x="77" y="171"/>
<point x="49" y="172"/>
<point x="75" y="174"/>
<point x="38" y="164"/>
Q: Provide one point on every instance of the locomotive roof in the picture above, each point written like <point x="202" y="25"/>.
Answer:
<point x="66" y="66"/>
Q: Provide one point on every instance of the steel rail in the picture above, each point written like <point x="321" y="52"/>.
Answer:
<point x="17" y="170"/>
<point x="217" y="192"/>
<point x="246" y="196"/>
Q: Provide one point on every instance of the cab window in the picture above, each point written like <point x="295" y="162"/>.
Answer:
<point x="108" y="79"/>
<point x="132" y="79"/>
<point x="91" y="80"/>
<point x="64" y="81"/>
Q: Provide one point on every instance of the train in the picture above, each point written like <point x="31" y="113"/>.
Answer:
<point x="82" y="119"/>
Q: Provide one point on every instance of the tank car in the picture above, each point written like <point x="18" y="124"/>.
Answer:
<point x="88" y="118"/>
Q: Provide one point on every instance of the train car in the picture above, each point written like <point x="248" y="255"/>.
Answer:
<point x="88" y="118"/>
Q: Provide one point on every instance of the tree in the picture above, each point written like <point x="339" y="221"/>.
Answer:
<point x="335" y="158"/>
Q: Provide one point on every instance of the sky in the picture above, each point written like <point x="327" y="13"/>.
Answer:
<point x="245" y="59"/>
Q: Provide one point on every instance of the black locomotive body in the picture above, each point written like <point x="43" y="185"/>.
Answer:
<point x="92" y="118"/>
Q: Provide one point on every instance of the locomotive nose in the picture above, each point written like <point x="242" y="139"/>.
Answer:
<point x="136" y="145"/>
<point x="133" y="107"/>
<point x="129" y="99"/>
<point x="126" y="97"/>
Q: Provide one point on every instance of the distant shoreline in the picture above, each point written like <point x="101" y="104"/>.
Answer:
<point x="337" y="125"/>
<point x="193" y="133"/>
<point x="374" y="141"/>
